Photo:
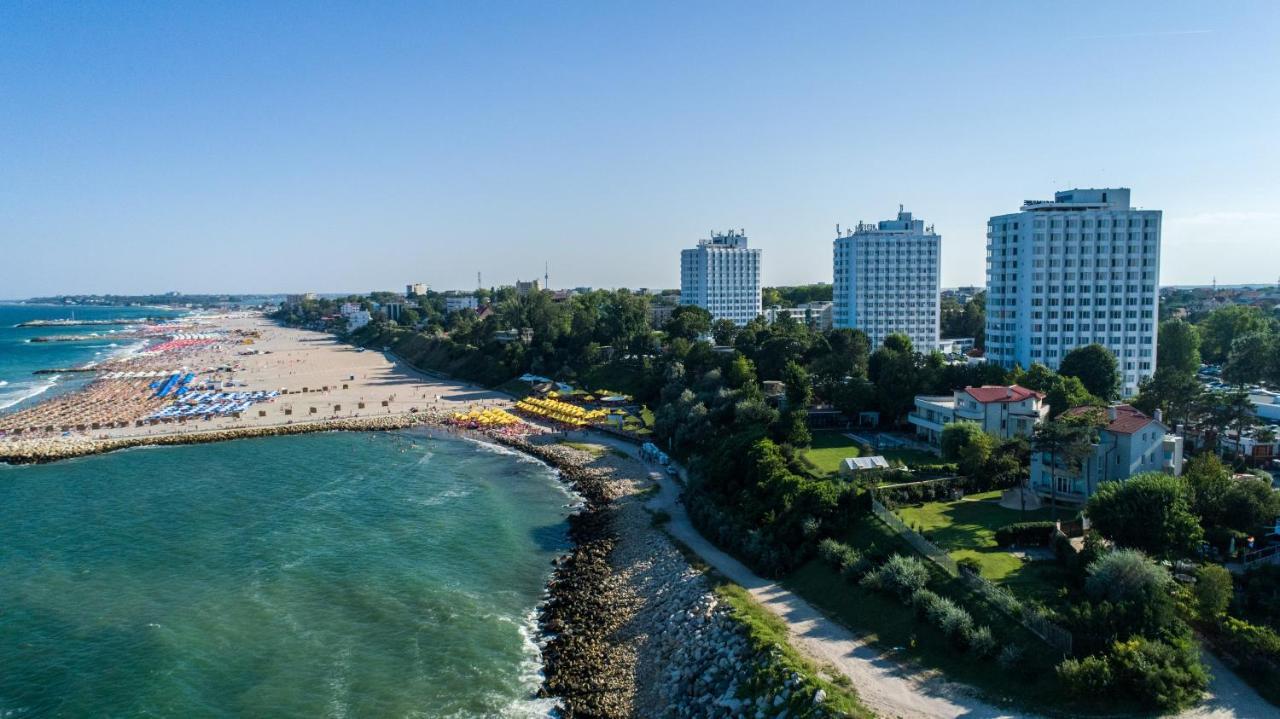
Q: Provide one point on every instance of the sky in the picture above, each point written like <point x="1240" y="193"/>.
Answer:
<point x="335" y="147"/>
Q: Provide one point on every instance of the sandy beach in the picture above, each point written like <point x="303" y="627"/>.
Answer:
<point x="320" y="383"/>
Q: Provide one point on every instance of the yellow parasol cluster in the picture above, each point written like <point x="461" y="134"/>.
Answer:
<point x="485" y="418"/>
<point x="560" y="411"/>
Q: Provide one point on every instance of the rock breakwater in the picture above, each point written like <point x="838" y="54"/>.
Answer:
<point x="31" y="451"/>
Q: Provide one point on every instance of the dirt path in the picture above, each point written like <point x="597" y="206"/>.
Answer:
<point x="886" y="687"/>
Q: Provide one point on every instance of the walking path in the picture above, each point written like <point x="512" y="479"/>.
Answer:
<point x="886" y="687"/>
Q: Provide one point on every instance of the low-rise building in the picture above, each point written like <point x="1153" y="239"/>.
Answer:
<point x="660" y="314"/>
<point x="415" y="289"/>
<point x="1001" y="411"/>
<point x="357" y="319"/>
<point x="815" y="315"/>
<point x="955" y="345"/>
<point x="454" y="303"/>
<point x="393" y="310"/>
<point x="1130" y="443"/>
<point x="526" y="288"/>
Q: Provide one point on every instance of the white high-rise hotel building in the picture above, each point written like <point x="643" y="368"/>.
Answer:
<point x="886" y="280"/>
<point x="722" y="276"/>
<point x="1082" y="268"/>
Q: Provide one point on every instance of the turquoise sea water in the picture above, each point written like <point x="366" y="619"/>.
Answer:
<point x="325" y="575"/>
<point x="19" y="357"/>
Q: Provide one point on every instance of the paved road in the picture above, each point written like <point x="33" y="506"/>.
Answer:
<point x="886" y="687"/>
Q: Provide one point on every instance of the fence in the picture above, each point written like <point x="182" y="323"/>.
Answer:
<point x="1258" y="557"/>
<point x="1034" y="621"/>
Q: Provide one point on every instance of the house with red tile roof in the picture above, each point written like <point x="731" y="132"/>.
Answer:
<point x="1002" y="411"/>
<point x="1131" y="442"/>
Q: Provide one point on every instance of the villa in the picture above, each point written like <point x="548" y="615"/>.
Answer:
<point x="1131" y="443"/>
<point x="1001" y="411"/>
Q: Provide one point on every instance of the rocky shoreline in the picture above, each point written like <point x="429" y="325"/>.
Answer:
<point x="632" y="630"/>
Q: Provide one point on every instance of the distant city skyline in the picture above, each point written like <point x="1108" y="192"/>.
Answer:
<point x="273" y="147"/>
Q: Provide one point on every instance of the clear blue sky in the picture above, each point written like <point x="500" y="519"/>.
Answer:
<point x="265" y="146"/>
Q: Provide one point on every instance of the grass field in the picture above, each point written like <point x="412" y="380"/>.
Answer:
<point x="828" y="448"/>
<point x="967" y="528"/>
<point x="831" y="446"/>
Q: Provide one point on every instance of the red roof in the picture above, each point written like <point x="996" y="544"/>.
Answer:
<point x="998" y="393"/>
<point x="1127" y="420"/>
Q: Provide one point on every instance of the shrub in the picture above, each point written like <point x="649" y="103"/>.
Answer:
<point x="1010" y="657"/>
<point x="1159" y="675"/>
<point x="1155" y="674"/>
<point x="855" y="570"/>
<point x="970" y="564"/>
<point x="1086" y="678"/>
<point x="1126" y="575"/>
<point x="837" y="554"/>
<point x="923" y="602"/>
<point x="954" y="623"/>
<point x="1026" y="534"/>
<point x="903" y="576"/>
<point x="1212" y="591"/>
<point x="1250" y="640"/>
<point x="982" y="642"/>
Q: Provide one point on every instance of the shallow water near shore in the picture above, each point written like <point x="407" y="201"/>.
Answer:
<point x="19" y="357"/>
<point x="335" y="574"/>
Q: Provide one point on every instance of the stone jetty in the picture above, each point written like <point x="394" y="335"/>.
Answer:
<point x="32" y="451"/>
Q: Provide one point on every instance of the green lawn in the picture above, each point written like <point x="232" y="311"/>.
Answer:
<point x="829" y="448"/>
<point x="967" y="528"/>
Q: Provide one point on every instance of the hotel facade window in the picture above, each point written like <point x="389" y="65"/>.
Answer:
<point x="1082" y="223"/>
<point x="722" y="276"/>
<point x="886" y="280"/>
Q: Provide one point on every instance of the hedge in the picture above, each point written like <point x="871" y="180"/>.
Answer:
<point x="1026" y="534"/>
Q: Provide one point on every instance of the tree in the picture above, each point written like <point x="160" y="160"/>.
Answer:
<point x="1066" y="393"/>
<point x="1150" y="512"/>
<point x="1207" y="482"/>
<point x="740" y="373"/>
<point x="1097" y="369"/>
<point x="956" y="436"/>
<point x="895" y="371"/>
<point x="799" y="388"/>
<point x="1249" y="504"/>
<point x="688" y="322"/>
<point x="1220" y="329"/>
<point x="1250" y="358"/>
<point x="1212" y="591"/>
<point x="1068" y="440"/>
<point x="1232" y="409"/>
<point x="1178" y="347"/>
<point x="1039" y="378"/>
<point x="1171" y="391"/>
<point x="724" y="331"/>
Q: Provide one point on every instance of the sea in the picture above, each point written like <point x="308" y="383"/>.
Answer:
<point x="19" y="356"/>
<point x="339" y="574"/>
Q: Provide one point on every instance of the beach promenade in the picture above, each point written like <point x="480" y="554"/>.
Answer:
<point x="290" y="380"/>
